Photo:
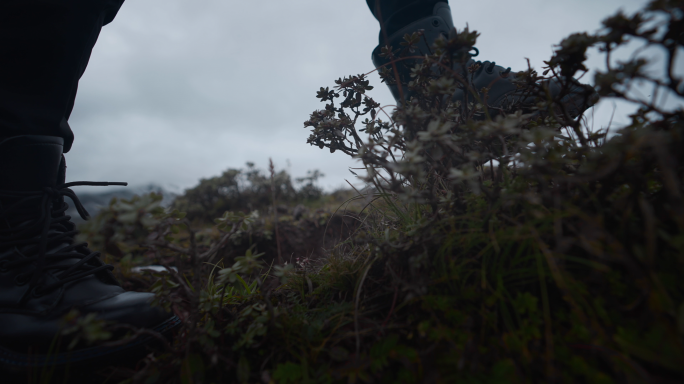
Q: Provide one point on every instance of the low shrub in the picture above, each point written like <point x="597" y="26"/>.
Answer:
<point x="493" y="246"/>
<point x="246" y="190"/>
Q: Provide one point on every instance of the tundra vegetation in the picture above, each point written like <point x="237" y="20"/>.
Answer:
<point x="490" y="246"/>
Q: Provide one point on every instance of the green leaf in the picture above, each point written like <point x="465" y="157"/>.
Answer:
<point x="288" y="373"/>
<point x="244" y="284"/>
<point x="243" y="369"/>
<point x="192" y="369"/>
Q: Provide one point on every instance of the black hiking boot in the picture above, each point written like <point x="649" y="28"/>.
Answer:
<point x="44" y="274"/>
<point x="502" y="93"/>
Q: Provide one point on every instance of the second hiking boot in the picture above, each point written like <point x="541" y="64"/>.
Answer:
<point x="502" y="92"/>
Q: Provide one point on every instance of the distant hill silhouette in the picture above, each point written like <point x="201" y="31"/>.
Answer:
<point x="94" y="202"/>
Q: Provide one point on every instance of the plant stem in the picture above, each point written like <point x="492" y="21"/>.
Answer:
<point x="275" y="210"/>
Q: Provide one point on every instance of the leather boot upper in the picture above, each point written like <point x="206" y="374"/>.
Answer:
<point x="43" y="273"/>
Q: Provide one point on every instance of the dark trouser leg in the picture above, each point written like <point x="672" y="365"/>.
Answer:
<point x="45" y="46"/>
<point x="395" y="14"/>
<point x="44" y="49"/>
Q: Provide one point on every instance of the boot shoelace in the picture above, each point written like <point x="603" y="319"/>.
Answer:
<point x="34" y="248"/>
<point x="489" y="66"/>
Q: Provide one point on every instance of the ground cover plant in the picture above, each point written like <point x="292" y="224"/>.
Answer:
<point x="491" y="246"/>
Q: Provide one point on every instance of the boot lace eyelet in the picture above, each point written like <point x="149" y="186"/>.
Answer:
<point x="490" y="68"/>
<point x="37" y="293"/>
<point x="3" y="266"/>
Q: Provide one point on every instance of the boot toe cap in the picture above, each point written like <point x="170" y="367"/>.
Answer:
<point x="28" y="333"/>
<point x="130" y="308"/>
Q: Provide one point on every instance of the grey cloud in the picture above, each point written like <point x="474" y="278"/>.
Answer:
<point x="177" y="90"/>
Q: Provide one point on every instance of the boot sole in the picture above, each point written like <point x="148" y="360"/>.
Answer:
<point x="18" y="361"/>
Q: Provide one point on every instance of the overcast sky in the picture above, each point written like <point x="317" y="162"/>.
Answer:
<point x="178" y="90"/>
